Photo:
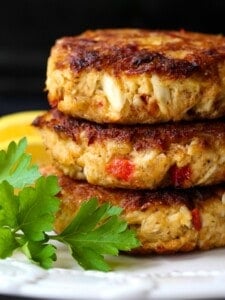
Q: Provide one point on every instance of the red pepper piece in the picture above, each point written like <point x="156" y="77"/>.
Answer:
<point x="121" y="168"/>
<point x="180" y="176"/>
<point x="196" y="219"/>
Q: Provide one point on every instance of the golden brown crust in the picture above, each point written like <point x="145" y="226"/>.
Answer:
<point x="141" y="137"/>
<point x="166" y="221"/>
<point x="139" y="51"/>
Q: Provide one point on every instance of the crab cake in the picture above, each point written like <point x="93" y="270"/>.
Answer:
<point x="136" y="157"/>
<point x="138" y="76"/>
<point x="165" y="220"/>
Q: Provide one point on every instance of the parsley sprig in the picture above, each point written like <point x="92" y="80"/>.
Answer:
<point x="28" y="204"/>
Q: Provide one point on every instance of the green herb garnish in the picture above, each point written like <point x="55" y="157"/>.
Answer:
<point x="28" y="204"/>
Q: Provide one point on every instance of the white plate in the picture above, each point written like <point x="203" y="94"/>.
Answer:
<point x="192" y="275"/>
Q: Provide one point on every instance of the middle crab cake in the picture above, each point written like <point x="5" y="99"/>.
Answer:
<point x="136" y="157"/>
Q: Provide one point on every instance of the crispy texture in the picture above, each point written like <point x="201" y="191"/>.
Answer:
<point x="136" y="157"/>
<point x="166" y="221"/>
<point x="138" y="76"/>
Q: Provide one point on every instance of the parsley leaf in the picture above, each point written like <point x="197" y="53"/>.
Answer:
<point x="96" y="231"/>
<point x="41" y="253"/>
<point x="8" y="242"/>
<point x="15" y="165"/>
<point x="9" y="205"/>
<point x="28" y="205"/>
<point x="38" y="206"/>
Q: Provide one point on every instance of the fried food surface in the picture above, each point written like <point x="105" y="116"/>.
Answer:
<point x="138" y="76"/>
<point x="166" y="221"/>
<point x="136" y="157"/>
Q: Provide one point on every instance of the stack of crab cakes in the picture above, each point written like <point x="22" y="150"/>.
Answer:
<point x="136" y="120"/>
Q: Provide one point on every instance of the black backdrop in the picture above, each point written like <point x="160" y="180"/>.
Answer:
<point x="29" y="28"/>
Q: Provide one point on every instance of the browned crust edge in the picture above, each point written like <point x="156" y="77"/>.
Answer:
<point x="119" y="50"/>
<point x="140" y="136"/>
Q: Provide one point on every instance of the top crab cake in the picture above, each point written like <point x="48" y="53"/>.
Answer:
<point x="138" y="76"/>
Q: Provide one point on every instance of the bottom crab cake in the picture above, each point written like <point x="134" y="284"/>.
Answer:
<point x="137" y="156"/>
<point x="166" y="221"/>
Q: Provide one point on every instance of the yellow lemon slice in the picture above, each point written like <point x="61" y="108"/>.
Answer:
<point x="17" y="125"/>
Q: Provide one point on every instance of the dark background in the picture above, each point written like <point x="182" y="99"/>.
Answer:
<point x="29" y="28"/>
